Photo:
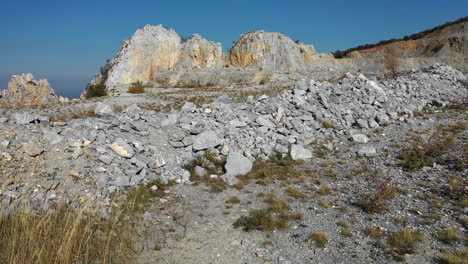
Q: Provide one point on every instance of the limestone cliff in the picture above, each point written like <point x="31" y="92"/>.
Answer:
<point x="198" y="52"/>
<point x="149" y="49"/>
<point x="267" y="51"/>
<point x="24" y="90"/>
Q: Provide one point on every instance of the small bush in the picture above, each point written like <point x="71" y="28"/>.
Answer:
<point x="262" y="220"/>
<point x="319" y="238"/>
<point x="449" y="236"/>
<point x="415" y="158"/>
<point x="391" y="61"/>
<point x="136" y="88"/>
<point x="406" y="241"/>
<point x="96" y="90"/>
<point x="376" y="196"/>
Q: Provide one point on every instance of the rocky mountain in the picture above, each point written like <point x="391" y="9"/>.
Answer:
<point x="24" y="90"/>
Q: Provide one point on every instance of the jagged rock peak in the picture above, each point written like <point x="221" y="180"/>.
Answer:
<point x="150" y="48"/>
<point x="201" y="53"/>
<point x="25" y="90"/>
<point x="267" y="51"/>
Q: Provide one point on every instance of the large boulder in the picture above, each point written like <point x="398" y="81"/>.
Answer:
<point x="150" y="48"/>
<point x="24" y="90"/>
<point x="267" y="51"/>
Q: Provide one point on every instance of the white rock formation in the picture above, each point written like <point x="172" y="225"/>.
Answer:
<point x="267" y="51"/>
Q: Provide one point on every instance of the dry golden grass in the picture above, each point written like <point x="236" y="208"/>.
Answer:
<point x="64" y="236"/>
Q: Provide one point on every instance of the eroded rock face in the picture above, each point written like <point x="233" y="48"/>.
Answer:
<point x="24" y="90"/>
<point x="267" y="51"/>
<point x="150" y="48"/>
<point x="198" y="52"/>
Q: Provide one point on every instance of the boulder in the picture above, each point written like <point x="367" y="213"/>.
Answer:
<point x="237" y="164"/>
<point x="103" y="110"/>
<point x="359" y="138"/>
<point x="28" y="118"/>
<point x="366" y="151"/>
<point x="298" y="152"/>
<point x="24" y="90"/>
<point x="205" y="140"/>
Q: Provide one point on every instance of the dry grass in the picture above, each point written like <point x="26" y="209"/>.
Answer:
<point x="391" y="61"/>
<point x="136" y="88"/>
<point x="449" y="236"/>
<point x="278" y="167"/>
<point x="406" y="241"/>
<point x="75" y="235"/>
<point x="373" y="232"/>
<point x="377" y="194"/>
<point x="458" y="257"/>
<point x="64" y="236"/>
<point x="295" y="193"/>
<point x="319" y="238"/>
<point x="262" y="220"/>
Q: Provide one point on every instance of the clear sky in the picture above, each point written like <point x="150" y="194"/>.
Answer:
<point x="67" y="41"/>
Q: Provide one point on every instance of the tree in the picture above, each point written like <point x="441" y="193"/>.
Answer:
<point x="391" y="61"/>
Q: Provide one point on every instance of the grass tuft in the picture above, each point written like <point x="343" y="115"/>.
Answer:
<point x="319" y="238"/>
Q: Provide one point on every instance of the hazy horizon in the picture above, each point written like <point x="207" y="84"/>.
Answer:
<point x="67" y="43"/>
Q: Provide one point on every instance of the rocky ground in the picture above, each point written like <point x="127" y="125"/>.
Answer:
<point x="352" y="171"/>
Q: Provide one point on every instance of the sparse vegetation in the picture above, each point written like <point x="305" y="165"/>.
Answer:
<point x="406" y="241"/>
<point x="373" y="232"/>
<point x="263" y="220"/>
<point x="391" y="61"/>
<point x="379" y="191"/>
<point x="458" y="257"/>
<point x="449" y="236"/>
<point x="295" y="193"/>
<point x="136" y="88"/>
<point x="66" y="236"/>
<point x="233" y="200"/>
<point x="96" y="90"/>
<point x="320" y="239"/>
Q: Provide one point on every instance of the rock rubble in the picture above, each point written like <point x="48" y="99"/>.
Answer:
<point x="120" y="149"/>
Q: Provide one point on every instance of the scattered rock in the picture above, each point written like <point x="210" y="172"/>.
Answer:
<point x="205" y="140"/>
<point x="298" y="152"/>
<point x="367" y="151"/>
<point x="122" y="148"/>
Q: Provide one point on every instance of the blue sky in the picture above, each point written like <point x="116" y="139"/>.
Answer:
<point x="67" y="41"/>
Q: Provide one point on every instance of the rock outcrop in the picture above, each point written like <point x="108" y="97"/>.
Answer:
<point x="198" y="52"/>
<point x="149" y="49"/>
<point x="267" y="51"/>
<point x="159" y="56"/>
<point x="24" y="90"/>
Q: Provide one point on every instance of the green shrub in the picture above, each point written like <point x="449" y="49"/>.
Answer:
<point x="415" y="158"/>
<point x="262" y="220"/>
<point x="96" y="90"/>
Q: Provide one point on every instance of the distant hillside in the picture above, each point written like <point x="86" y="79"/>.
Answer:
<point x="413" y="45"/>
